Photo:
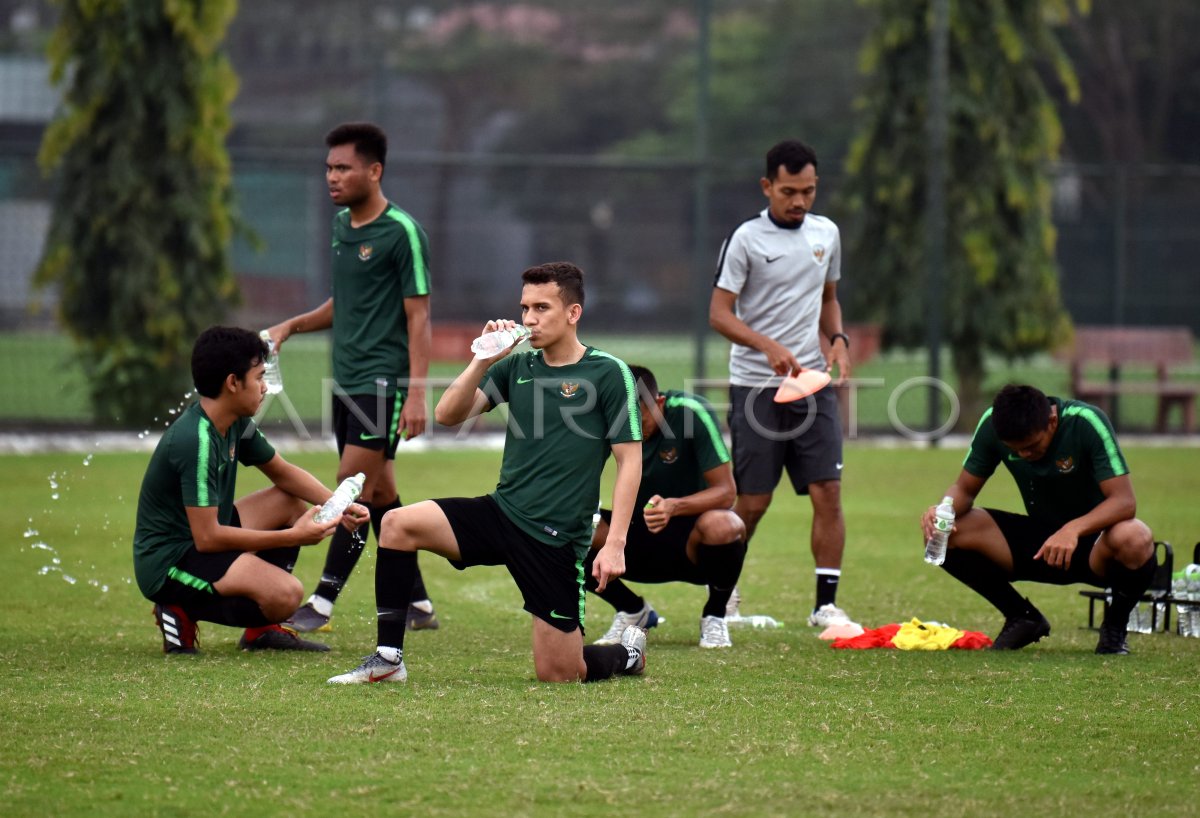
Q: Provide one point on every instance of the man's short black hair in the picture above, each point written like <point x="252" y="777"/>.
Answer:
<point x="566" y="275"/>
<point x="647" y="384"/>
<point x="368" y="139"/>
<point x="793" y="155"/>
<point x="223" y="351"/>
<point x="1020" y="412"/>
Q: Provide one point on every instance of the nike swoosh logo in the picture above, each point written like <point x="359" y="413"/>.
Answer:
<point x="1014" y="457"/>
<point x="769" y="259"/>
<point x="557" y="615"/>
<point x="838" y="467"/>
<point x="382" y="676"/>
<point x="524" y="380"/>
<point x="365" y="436"/>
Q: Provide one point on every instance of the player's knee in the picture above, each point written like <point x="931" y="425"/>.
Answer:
<point x="551" y="669"/>
<point x="719" y="527"/>
<point x="1131" y="541"/>
<point x="395" y="532"/>
<point x="282" y="599"/>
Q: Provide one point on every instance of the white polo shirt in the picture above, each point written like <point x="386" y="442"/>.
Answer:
<point x="778" y="274"/>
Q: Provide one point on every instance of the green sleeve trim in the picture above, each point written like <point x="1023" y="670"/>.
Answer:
<point x="631" y="397"/>
<point x="202" y="447"/>
<point x="978" y="426"/>
<point x="420" y="271"/>
<point x="1111" y="450"/>
<point x="710" y="424"/>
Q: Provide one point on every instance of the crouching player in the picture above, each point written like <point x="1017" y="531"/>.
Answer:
<point x="197" y="554"/>
<point x="685" y="530"/>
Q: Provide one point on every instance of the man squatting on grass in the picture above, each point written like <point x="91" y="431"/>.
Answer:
<point x="1064" y="457"/>
<point x="683" y="529"/>
<point x="197" y="554"/>
<point x="569" y="405"/>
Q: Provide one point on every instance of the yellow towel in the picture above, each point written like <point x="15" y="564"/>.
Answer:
<point x="917" y="635"/>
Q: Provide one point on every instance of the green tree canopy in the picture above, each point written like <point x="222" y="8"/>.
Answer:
<point x="1001" y="284"/>
<point x="142" y="209"/>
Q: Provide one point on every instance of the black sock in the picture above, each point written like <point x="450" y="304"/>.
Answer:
<point x="616" y="593"/>
<point x="377" y="513"/>
<point x="605" y="661"/>
<point x="393" y="594"/>
<point x="344" y="550"/>
<point x="720" y="566"/>
<point x="234" y="611"/>
<point x="1128" y="586"/>
<point x="827" y="585"/>
<point x="986" y="578"/>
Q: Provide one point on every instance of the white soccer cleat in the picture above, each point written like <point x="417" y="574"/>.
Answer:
<point x="634" y="641"/>
<point x="645" y="619"/>
<point x="714" y="632"/>
<point x="827" y="615"/>
<point x="373" y="669"/>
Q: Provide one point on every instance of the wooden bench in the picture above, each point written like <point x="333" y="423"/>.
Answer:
<point x="1115" y="347"/>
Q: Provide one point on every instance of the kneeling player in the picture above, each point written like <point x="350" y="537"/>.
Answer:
<point x="686" y="531"/>
<point x="197" y="554"/>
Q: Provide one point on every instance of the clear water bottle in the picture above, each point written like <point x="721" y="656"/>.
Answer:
<point x="1183" y="611"/>
<point x="493" y="343"/>
<point x="272" y="376"/>
<point x="346" y="494"/>
<point x="1192" y="578"/>
<point x="935" y="547"/>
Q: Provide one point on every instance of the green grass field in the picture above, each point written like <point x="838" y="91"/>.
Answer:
<point x="96" y="721"/>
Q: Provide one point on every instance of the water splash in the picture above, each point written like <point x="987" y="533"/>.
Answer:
<point x="87" y="461"/>
<point x="30" y="532"/>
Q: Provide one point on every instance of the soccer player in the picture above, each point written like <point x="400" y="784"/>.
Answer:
<point x="686" y="530"/>
<point x="197" y="554"/>
<point x="569" y="406"/>
<point x="775" y="294"/>
<point x="1079" y="524"/>
<point x="379" y="312"/>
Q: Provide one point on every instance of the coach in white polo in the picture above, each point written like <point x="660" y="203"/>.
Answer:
<point x="775" y="293"/>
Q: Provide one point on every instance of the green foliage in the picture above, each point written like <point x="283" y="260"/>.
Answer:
<point x="1001" y="285"/>
<point x="143" y="203"/>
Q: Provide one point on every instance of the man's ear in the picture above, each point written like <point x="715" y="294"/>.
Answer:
<point x="574" y="313"/>
<point x="232" y="382"/>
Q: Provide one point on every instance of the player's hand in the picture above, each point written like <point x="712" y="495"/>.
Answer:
<point x="658" y="513"/>
<point x="413" y="416"/>
<point x="781" y="359"/>
<point x="308" y="531"/>
<point x="499" y="324"/>
<point x="354" y="516"/>
<point x="279" y="333"/>
<point x="839" y="356"/>
<point x="929" y="523"/>
<point x="609" y="564"/>
<point x="1058" y="550"/>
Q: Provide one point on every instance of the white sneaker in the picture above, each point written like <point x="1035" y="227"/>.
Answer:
<point x="645" y="619"/>
<point x="373" y="669"/>
<point x="714" y="633"/>
<point x="634" y="641"/>
<point x="828" y="614"/>
<point x="733" y="606"/>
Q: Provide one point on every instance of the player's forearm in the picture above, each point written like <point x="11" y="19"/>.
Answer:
<point x="460" y="401"/>
<point x="231" y="538"/>
<point x="625" y="488"/>
<point x="311" y="321"/>
<point x="1112" y="510"/>
<point x="715" y="497"/>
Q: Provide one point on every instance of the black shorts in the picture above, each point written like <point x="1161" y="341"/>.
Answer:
<point x="1026" y="535"/>
<point x="549" y="577"/>
<point x="368" y="421"/>
<point x="653" y="558"/>
<point x="193" y="577"/>
<point x="804" y="437"/>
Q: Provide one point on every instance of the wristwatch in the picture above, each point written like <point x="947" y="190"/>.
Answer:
<point x="841" y="335"/>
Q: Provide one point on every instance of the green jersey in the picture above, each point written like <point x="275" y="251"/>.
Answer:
<point x="375" y="267"/>
<point x="688" y="444"/>
<point x="1065" y="483"/>
<point x="194" y="466"/>
<point x="562" y="422"/>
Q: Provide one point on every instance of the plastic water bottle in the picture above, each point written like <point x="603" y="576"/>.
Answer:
<point x="1183" y="611"/>
<point x="493" y="343"/>
<point x="1191" y="576"/>
<point x="935" y="547"/>
<point x="271" y="375"/>
<point x="346" y="494"/>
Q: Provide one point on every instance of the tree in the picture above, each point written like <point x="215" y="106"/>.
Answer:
<point x="142" y="209"/>
<point x="1001" y="286"/>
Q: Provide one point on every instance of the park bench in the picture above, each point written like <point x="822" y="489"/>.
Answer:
<point x="1117" y="347"/>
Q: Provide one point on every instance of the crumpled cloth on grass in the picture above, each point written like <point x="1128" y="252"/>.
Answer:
<point x="915" y="635"/>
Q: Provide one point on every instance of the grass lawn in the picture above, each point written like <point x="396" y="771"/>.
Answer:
<point x="96" y="721"/>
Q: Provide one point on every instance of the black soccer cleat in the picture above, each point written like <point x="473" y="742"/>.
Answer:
<point x="1112" y="640"/>
<point x="1019" y="631"/>
<point x="179" y="632"/>
<point x="276" y="637"/>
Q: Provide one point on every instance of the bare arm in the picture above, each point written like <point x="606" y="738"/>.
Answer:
<point x="719" y="493"/>
<point x="210" y="536"/>
<point x="463" y="399"/>
<point x="413" y="416"/>
<point x="293" y="480"/>
<point x="963" y="491"/>
<point x="610" y="559"/>
<point x="723" y="319"/>
<point x="311" y="321"/>
<point x="830" y="324"/>
<point x="1119" y="504"/>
